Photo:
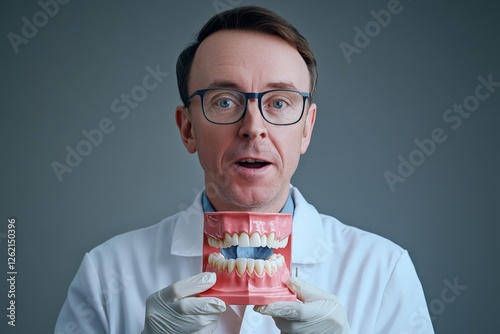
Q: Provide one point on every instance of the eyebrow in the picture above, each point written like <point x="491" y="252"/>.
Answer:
<point x="234" y="85"/>
<point x="223" y="84"/>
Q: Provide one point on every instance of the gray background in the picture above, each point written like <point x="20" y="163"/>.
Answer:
<point x="371" y="110"/>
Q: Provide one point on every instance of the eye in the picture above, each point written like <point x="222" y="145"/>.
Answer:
<point x="224" y="103"/>
<point x="278" y="104"/>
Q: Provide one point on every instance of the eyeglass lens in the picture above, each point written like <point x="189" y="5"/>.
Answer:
<point x="278" y="107"/>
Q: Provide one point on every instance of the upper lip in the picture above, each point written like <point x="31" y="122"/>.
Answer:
<point x="252" y="159"/>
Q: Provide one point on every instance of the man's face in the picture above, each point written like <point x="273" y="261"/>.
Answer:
<point x="250" y="62"/>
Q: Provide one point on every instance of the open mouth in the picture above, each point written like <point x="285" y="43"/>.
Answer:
<point x="245" y="253"/>
<point x="252" y="163"/>
<point x="250" y="254"/>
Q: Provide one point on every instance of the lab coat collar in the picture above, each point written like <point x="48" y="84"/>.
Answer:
<point x="307" y="234"/>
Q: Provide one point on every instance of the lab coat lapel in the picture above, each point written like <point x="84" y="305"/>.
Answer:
<point x="308" y="237"/>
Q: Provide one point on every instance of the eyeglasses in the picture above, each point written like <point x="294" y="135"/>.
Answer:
<point x="228" y="106"/>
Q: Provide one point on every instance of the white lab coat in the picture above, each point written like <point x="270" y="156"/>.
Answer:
<point x="373" y="278"/>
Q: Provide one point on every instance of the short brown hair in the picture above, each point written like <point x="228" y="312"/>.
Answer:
<point x="251" y="18"/>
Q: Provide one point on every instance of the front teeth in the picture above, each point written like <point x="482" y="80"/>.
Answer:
<point x="231" y="263"/>
<point x="242" y="265"/>
<point x="251" y="161"/>
<point x="255" y="240"/>
<point x="259" y="266"/>
<point x="243" y="240"/>
<point x="250" y="265"/>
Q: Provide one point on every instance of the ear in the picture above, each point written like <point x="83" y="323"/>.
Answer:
<point x="308" y="128"/>
<point x="185" y="125"/>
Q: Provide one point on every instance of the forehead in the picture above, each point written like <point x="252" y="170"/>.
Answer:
<point x="247" y="60"/>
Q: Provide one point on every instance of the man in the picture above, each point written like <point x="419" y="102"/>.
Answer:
<point x="246" y="84"/>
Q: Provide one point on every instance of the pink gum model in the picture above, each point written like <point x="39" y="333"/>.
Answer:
<point x="244" y="281"/>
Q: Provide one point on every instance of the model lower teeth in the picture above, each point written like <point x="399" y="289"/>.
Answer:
<point x="242" y="265"/>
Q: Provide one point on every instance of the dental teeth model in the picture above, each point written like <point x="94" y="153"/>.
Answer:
<point x="250" y="254"/>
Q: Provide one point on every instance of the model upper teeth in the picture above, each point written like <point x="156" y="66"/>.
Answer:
<point x="271" y="265"/>
<point x="244" y="240"/>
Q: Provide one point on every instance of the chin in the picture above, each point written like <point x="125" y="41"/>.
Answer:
<point x="255" y="199"/>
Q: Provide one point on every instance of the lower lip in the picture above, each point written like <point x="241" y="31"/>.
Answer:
<point x="252" y="171"/>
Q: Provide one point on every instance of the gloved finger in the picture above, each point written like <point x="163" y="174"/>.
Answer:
<point x="188" y="287"/>
<point x="199" y="316"/>
<point x="165" y="319"/>
<point x="307" y="292"/>
<point x="285" y="310"/>
<point x="198" y="306"/>
<point x="192" y="323"/>
<point x="298" y="311"/>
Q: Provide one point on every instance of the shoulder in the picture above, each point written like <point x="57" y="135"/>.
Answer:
<point x="338" y="232"/>
<point x="342" y="239"/>
<point x="351" y="235"/>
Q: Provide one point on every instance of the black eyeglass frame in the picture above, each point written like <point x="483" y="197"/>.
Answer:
<point x="201" y="93"/>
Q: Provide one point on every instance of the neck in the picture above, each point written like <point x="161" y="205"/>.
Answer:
<point x="286" y="207"/>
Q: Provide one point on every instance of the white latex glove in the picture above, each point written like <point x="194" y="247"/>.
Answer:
<point x="320" y="311"/>
<point x="175" y="309"/>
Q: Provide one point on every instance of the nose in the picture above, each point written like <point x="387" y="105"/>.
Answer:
<point x="253" y="125"/>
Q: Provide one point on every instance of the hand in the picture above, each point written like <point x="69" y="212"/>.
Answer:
<point x="320" y="311"/>
<point x="175" y="309"/>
